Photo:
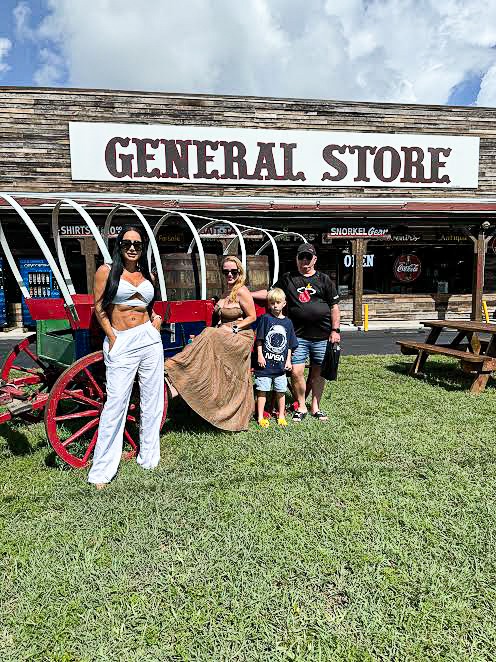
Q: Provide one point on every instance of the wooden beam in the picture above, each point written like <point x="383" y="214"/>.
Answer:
<point x="478" y="275"/>
<point x="89" y="249"/>
<point x="358" y="248"/>
<point x="480" y="242"/>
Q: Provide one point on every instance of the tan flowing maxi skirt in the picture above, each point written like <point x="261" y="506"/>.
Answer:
<point x="212" y="374"/>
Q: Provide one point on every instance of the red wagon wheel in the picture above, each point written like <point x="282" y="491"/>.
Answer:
<point x="25" y="375"/>
<point x="73" y="409"/>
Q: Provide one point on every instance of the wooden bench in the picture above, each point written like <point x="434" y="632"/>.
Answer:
<point x="471" y="362"/>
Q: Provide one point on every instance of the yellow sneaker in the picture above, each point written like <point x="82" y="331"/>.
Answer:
<point x="282" y="422"/>
<point x="264" y="422"/>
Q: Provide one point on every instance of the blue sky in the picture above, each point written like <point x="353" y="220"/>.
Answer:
<point x="419" y="51"/>
<point x="23" y="58"/>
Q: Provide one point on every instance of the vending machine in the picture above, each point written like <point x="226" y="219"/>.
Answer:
<point x="39" y="281"/>
<point x="3" y="315"/>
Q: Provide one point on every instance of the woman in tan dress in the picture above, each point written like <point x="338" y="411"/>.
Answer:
<point x="212" y="373"/>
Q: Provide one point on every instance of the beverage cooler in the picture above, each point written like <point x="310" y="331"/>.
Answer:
<point x="39" y="281"/>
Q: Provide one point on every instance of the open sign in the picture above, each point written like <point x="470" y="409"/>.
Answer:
<point x="368" y="260"/>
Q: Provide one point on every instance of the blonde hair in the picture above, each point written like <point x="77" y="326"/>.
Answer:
<point x="240" y="280"/>
<point x="276" y="295"/>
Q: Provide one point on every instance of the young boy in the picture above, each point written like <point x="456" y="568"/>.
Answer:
<point x="276" y="341"/>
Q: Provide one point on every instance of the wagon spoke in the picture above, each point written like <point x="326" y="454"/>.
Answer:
<point x="31" y="371"/>
<point x="90" y="448"/>
<point x="29" y="380"/>
<point x="96" y="386"/>
<point x="88" y="426"/>
<point x="78" y="414"/>
<point x="77" y="395"/>
<point x="131" y="441"/>
<point x="33" y="357"/>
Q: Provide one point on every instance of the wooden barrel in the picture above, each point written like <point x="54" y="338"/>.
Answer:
<point x="14" y="314"/>
<point x="182" y="276"/>
<point x="258" y="272"/>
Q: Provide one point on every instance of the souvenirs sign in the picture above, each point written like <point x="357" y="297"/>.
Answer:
<point x="227" y="155"/>
<point x="407" y="268"/>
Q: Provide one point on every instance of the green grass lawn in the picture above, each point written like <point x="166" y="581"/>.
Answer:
<point x="369" y="538"/>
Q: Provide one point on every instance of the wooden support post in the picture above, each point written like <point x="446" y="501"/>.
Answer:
<point x="358" y="248"/>
<point x="478" y="276"/>
<point x="89" y="248"/>
<point x="481" y="242"/>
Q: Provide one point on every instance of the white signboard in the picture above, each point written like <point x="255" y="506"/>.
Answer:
<point x="353" y="232"/>
<point x="270" y="157"/>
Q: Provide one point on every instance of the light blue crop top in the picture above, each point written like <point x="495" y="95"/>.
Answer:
<point x="126" y="290"/>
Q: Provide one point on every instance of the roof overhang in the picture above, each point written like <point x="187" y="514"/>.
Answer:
<point x="371" y="205"/>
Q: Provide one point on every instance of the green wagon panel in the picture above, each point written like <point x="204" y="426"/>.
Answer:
<point x="55" y="342"/>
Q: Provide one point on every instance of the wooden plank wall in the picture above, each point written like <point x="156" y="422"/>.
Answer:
<point x="34" y="139"/>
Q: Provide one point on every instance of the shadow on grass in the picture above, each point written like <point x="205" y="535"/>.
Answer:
<point x="181" y="418"/>
<point x="53" y="461"/>
<point x="450" y="377"/>
<point x="16" y="441"/>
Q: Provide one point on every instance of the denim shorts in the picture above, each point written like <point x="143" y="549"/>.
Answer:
<point x="278" y="384"/>
<point x="314" y="348"/>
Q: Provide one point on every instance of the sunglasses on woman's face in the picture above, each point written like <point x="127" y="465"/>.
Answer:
<point x="127" y="243"/>
<point x="233" y="272"/>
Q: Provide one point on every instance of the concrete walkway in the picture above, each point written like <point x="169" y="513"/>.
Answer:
<point x="16" y="332"/>
<point x="385" y="325"/>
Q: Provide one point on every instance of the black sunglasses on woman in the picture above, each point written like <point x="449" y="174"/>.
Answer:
<point x="127" y="243"/>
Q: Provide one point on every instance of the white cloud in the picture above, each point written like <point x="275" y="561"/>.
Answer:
<point x="22" y="17"/>
<point x="375" y="50"/>
<point x="5" y="46"/>
<point x="51" y="69"/>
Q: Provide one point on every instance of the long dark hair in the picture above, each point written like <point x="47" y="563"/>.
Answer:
<point x="118" y="266"/>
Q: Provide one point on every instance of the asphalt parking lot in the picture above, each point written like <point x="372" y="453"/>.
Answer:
<point x="352" y="342"/>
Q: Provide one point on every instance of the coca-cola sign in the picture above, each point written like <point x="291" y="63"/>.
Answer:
<point x="407" y="268"/>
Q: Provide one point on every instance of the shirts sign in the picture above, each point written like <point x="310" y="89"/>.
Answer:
<point x="226" y="155"/>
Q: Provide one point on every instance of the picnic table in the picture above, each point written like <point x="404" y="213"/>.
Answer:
<point x="477" y="355"/>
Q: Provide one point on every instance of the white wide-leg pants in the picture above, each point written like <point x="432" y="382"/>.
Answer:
<point x="136" y="350"/>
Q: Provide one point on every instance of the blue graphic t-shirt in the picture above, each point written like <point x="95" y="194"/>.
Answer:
<point x="277" y="335"/>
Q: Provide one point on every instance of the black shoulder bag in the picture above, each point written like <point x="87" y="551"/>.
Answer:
<point x="329" y="367"/>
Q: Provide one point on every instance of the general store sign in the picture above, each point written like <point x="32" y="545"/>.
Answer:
<point x="266" y="157"/>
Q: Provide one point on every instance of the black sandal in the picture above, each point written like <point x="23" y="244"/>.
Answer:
<point x="298" y="416"/>
<point x="321" y="416"/>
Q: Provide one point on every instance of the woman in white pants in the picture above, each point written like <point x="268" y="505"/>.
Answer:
<point x="124" y="296"/>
